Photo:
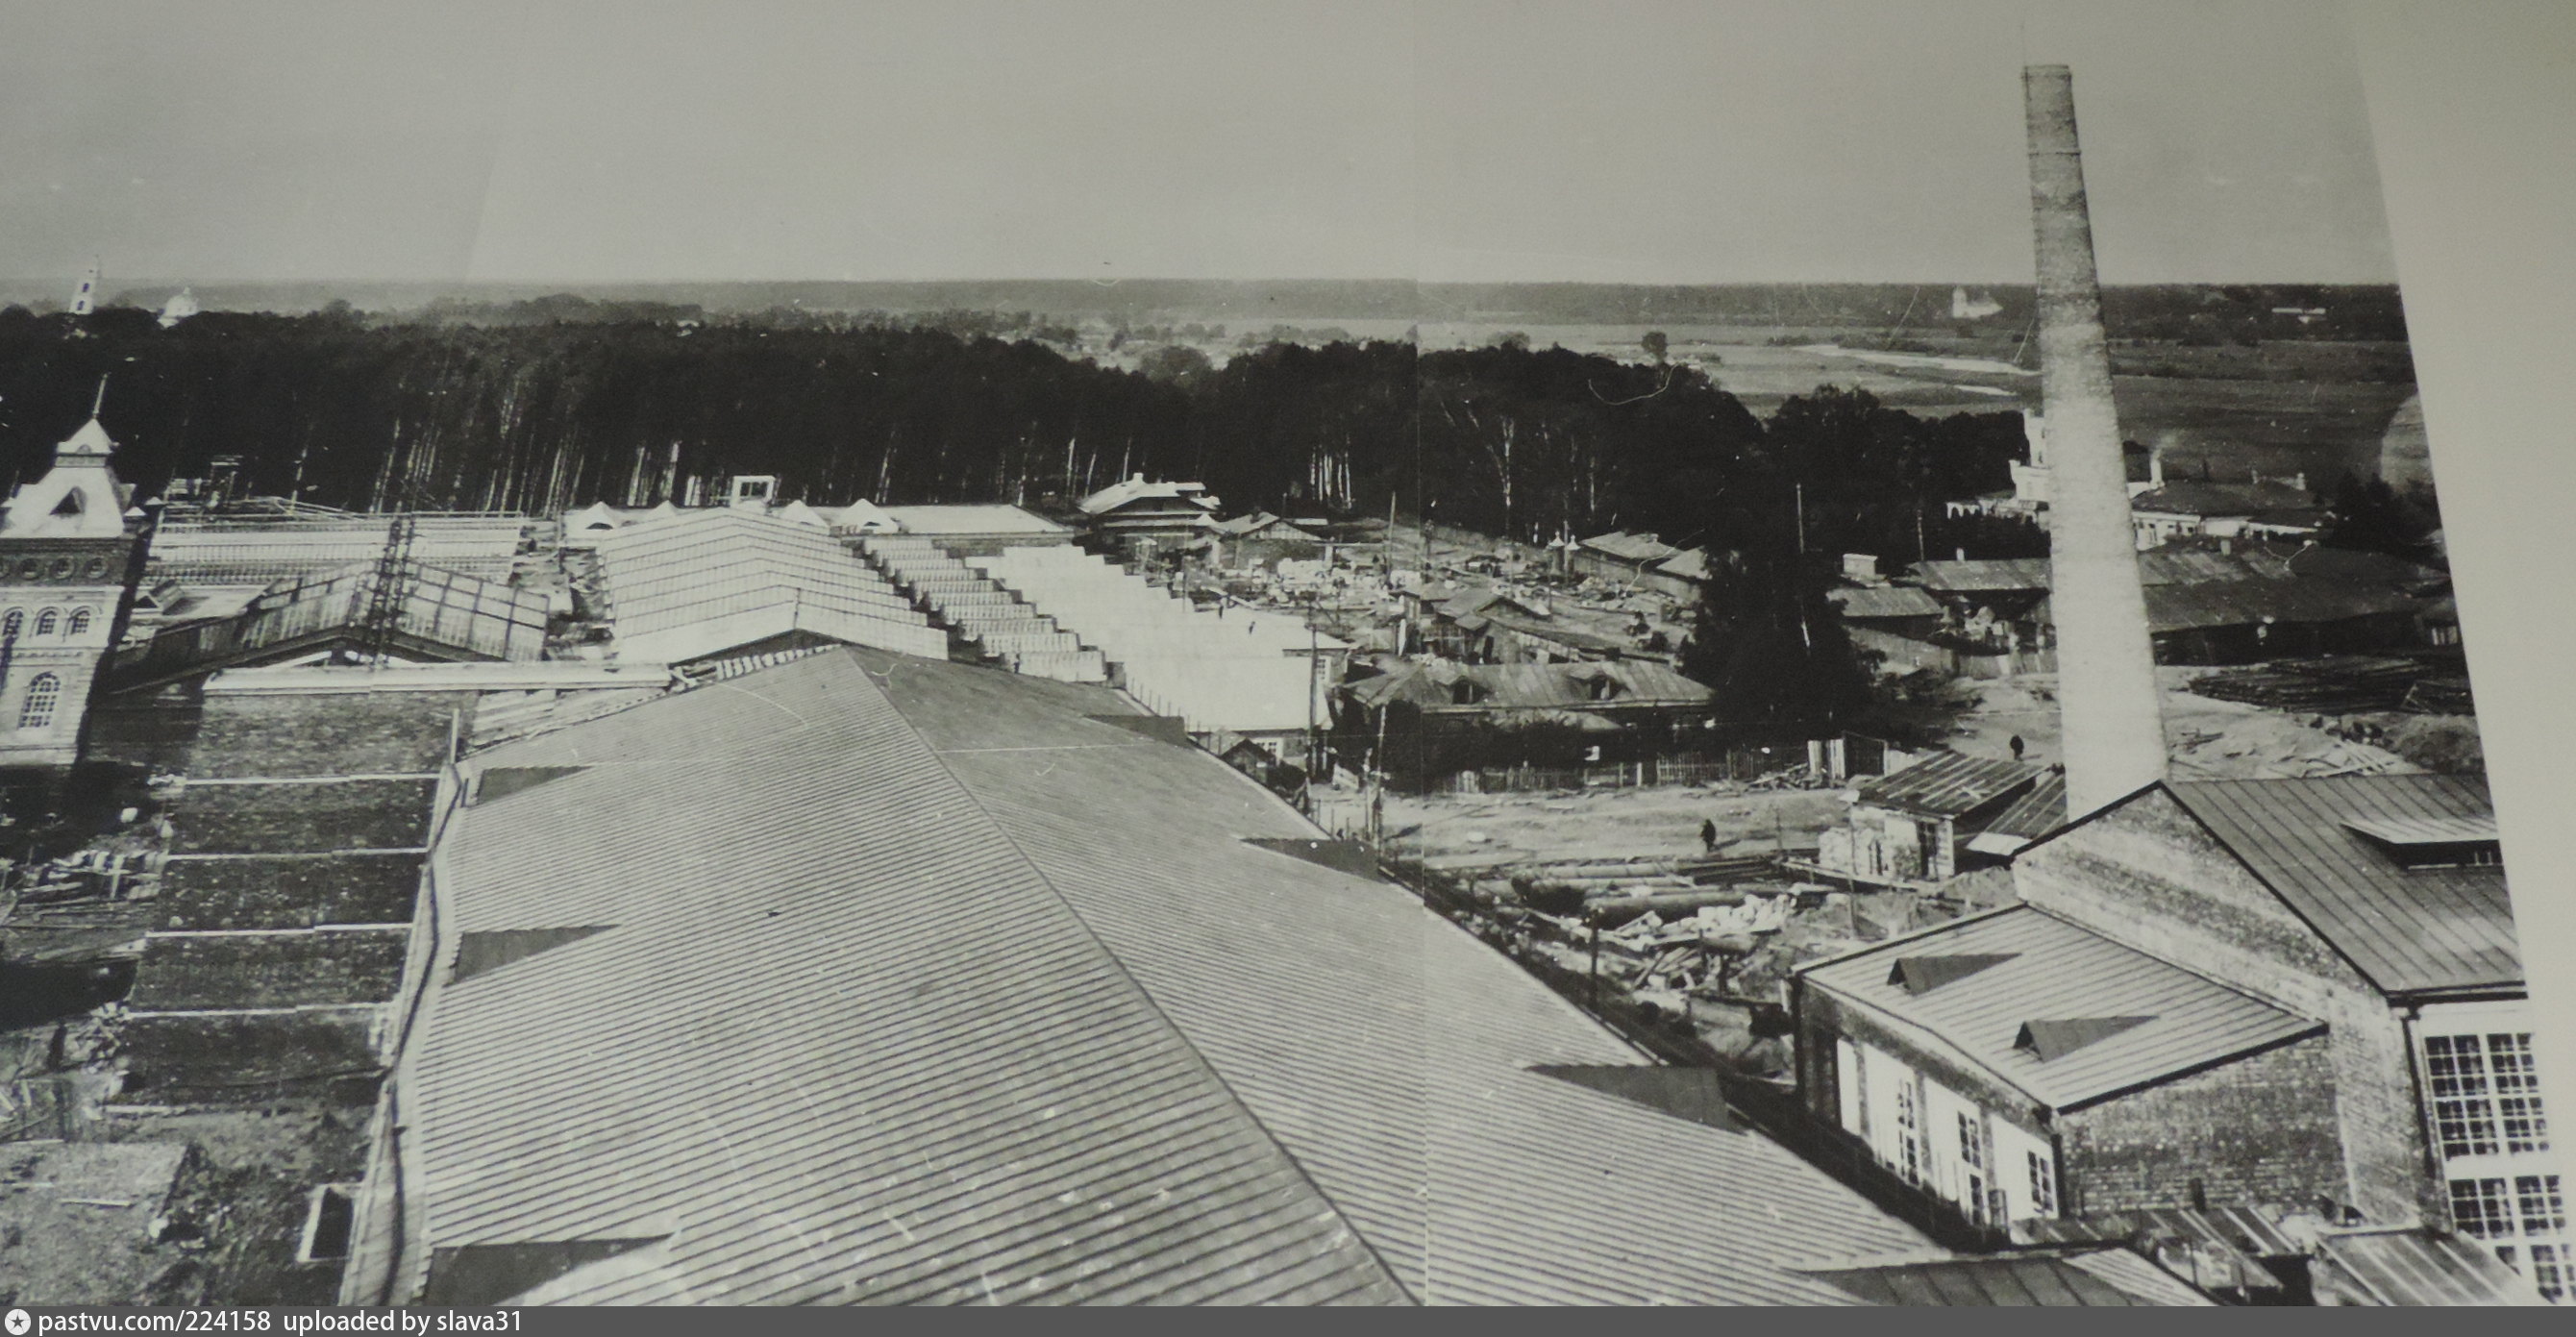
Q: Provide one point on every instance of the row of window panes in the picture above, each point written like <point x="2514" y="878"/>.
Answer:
<point x="2488" y="1209"/>
<point x="15" y="622"/>
<point x="2548" y="1270"/>
<point x="2486" y="1094"/>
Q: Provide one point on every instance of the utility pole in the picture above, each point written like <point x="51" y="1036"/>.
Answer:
<point x="1801" y="504"/>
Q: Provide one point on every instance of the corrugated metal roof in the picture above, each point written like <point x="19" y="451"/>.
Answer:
<point x="788" y="1054"/>
<point x="971" y="520"/>
<point x="2189" y="497"/>
<point x="1688" y="564"/>
<point x="1947" y="784"/>
<point x="2413" y="1267"/>
<point x="2059" y="972"/>
<point x="2034" y="814"/>
<point x="1389" y="1051"/>
<point x="2099" y="1278"/>
<point x="2017" y="573"/>
<point x="1885" y="601"/>
<point x="2246" y="1231"/>
<point x="947" y="966"/>
<point x="2182" y="607"/>
<point x="701" y="582"/>
<point x="2407" y="929"/>
<point x="1629" y="547"/>
<point x="1133" y="490"/>
<point x="2167" y="566"/>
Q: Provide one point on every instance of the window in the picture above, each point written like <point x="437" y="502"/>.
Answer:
<point x="13" y="624"/>
<point x="2517" y="1087"/>
<point x="2544" y="1211"/>
<point x="47" y="622"/>
<point x="2043" y="1184"/>
<point x="2481" y="1209"/>
<point x="1909" y="1132"/>
<point x="42" y="693"/>
<point x="2486" y="1095"/>
<point x="79" y="623"/>
<point x="2462" y="1113"/>
<point x="2548" y="1275"/>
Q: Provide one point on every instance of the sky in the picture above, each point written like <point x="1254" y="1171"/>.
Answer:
<point x="1650" y="141"/>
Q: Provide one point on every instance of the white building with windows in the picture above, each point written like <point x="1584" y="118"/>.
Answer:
<point x="70" y="543"/>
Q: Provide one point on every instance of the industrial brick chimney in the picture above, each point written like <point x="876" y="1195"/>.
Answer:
<point x="2114" y="727"/>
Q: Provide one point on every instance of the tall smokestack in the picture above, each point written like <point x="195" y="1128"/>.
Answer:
<point x="2114" y="727"/>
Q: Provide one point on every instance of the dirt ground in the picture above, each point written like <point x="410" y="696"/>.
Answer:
<point x="1463" y="831"/>
<point x="2208" y="739"/>
<point x="236" y="1215"/>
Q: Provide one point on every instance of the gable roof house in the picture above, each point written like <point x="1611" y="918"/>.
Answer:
<point x="872" y="979"/>
<point x="1135" y="513"/>
<point x="2373" y="906"/>
<point x="1914" y="824"/>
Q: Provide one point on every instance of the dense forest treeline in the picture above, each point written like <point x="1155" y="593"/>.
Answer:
<point x="342" y="411"/>
<point x="2292" y="311"/>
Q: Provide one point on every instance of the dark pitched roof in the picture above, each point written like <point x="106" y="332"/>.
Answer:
<point x="1629" y="547"/>
<point x="1922" y="973"/>
<point x="1884" y="601"/>
<point x="2181" y="607"/>
<point x="1947" y="784"/>
<point x="2053" y="971"/>
<point x="2018" y="573"/>
<point x="2408" y="1268"/>
<point x="2406" y="929"/>
<point x="2027" y="818"/>
<point x="2094" y="1278"/>
<point x="2197" y="498"/>
<point x="2058" y="1038"/>
<point x="1203" y="1069"/>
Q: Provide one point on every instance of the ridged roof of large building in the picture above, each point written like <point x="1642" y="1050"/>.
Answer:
<point x="2409" y="929"/>
<point x="872" y="978"/>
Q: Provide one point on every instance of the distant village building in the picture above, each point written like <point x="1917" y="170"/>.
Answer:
<point x="1913" y="825"/>
<point x="1260" y="541"/>
<point x="1965" y="307"/>
<point x="1136" y="516"/>
<point x="1618" y="556"/>
<point x="2260" y="509"/>
<point x="71" y="547"/>
<point x="179" y="308"/>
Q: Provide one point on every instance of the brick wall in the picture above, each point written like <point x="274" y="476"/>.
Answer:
<point x="2149" y="876"/>
<point x="2259" y="1131"/>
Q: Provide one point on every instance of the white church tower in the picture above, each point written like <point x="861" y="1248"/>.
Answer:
<point x="85" y="295"/>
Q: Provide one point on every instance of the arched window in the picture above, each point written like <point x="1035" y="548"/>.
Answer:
<point x="42" y="694"/>
<point x="13" y="624"/>
<point x="78" y="625"/>
<point x="47" y="621"/>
